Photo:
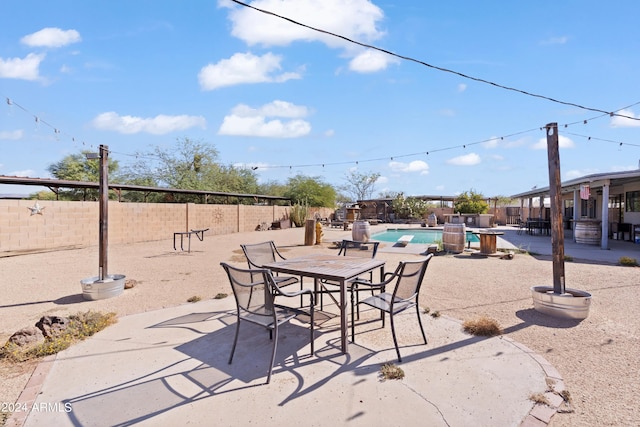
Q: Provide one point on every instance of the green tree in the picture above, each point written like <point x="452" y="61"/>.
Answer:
<point x="311" y="191"/>
<point x="76" y="167"/>
<point x="360" y="186"/>
<point x="193" y="165"/>
<point x="471" y="202"/>
<point x="409" y="207"/>
<point x="274" y="188"/>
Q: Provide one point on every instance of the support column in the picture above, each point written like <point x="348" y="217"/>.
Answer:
<point x="605" y="216"/>
<point x="576" y="212"/>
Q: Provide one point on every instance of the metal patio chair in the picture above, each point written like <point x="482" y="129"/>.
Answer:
<point x="259" y="254"/>
<point x="349" y="248"/>
<point x="254" y="291"/>
<point x="408" y="278"/>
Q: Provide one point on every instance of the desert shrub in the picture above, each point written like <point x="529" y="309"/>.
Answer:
<point x="483" y="327"/>
<point x="389" y="371"/>
<point x="299" y="214"/>
<point x="628" y="261"/>
<point x="80" y="327"/>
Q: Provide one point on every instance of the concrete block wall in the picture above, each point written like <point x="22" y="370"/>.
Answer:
<point x="76" y="224"/>
<point x="61" y="225"/>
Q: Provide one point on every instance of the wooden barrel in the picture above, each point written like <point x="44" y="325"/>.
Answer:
<point x="588" y="232"/>
<point x="361" y="231"/>
<point x="454" y="236"/>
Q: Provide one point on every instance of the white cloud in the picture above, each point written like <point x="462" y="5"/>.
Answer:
<point x="25" y="69"/>
<point x="466" y="160"/>
<point x="276" y="108"/>
<point x="371" y="61"/>
<point x="382" y="180"/>
<point x="622" y="122"/>
<point x="247" y="121"/>
<point x="563" y="142"/>
<point x="577" y="173"/>
<point x="12" y="135"/>
<point x="354" y="19"/>
<point x="159" y="125"/>
<point x="415" y="166"/>
<point x="462" y="87"/>
<point x="244" y="68"/>
<point x="51" y="37"/>
<point x="493" y="142"/>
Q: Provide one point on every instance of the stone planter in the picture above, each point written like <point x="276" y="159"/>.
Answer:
<point x="573" y="304"/>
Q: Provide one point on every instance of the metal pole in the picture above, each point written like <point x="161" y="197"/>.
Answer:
<point x="555" y="194"/>
<point x="104" y="207"/>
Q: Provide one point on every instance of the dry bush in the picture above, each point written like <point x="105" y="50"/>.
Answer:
<point x="483" y="327"/>
<point x="539" y="398"/>
<point x="389" y="371"/>
<point x="628" y="261"/>
<point x="81" y="326"/>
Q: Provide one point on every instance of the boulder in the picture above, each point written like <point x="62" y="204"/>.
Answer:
<point x="27" y="336"/>
<point x="52" y="326"/>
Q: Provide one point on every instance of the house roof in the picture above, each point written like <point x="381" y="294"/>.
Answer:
<point x="595" y="180"/>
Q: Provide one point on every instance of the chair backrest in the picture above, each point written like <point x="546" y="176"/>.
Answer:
<point x="259" y="254"/>
<point x="409" y="278"/>
<point x="252" y="289"/>
<point x="359" y="249"/>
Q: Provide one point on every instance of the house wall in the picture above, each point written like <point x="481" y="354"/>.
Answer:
<point x="65" y="224"/>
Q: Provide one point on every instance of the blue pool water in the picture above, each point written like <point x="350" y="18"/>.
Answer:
<point x="419" y="236"/>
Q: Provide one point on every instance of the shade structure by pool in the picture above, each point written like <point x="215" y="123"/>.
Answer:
<point x="419" y="236"/>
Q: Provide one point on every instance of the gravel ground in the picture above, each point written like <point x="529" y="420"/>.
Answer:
<point x="599" y="358"/>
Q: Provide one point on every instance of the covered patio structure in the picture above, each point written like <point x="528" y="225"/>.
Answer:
<point x="610" y="200"/>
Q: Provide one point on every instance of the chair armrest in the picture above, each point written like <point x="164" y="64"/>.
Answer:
<point x="380" y="285"/>
<point x="295" y="293"/>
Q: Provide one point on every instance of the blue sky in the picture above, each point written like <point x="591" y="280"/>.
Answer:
<point x="268" y="93"/>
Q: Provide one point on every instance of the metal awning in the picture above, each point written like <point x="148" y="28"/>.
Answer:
<point x="613" y="179"/>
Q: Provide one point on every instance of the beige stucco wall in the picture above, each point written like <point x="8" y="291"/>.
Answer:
<point x="76" y="224"/>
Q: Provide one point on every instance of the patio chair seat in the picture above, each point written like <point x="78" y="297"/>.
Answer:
<point x="408" y="278"/>
<point x="254" y="291"/>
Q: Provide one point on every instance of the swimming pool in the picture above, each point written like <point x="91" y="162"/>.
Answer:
<point x="419" y="236"/>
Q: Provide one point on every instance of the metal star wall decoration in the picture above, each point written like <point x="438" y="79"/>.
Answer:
<point x="36" y="209"/>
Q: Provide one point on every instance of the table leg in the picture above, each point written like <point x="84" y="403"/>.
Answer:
<point x="343" y="318"/>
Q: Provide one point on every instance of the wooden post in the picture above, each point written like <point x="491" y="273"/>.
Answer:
<point x="555" y="194"/>
<point x="104" y="209"/>
<point x="309" y="230"/>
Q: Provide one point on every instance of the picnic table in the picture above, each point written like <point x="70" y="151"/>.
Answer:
<point x="199" y="234"/>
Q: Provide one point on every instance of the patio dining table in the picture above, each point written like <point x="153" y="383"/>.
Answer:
<point x="336" y="268"/>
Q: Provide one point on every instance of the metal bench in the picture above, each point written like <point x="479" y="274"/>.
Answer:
<point x="199" y="234"/>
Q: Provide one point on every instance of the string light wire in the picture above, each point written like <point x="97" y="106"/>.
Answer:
<point x="446" y="70"/>
<point x="140" y="156"/>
